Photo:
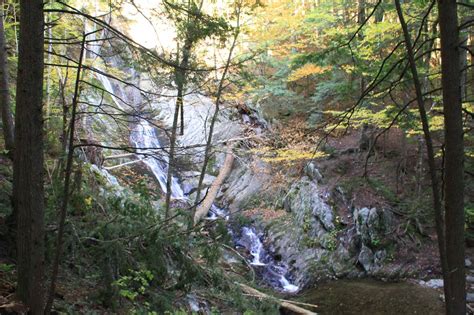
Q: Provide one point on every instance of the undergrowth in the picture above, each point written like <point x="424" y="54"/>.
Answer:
<point x="132" y="260"/>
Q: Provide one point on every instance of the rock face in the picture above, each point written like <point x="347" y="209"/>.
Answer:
<point x="305" y="195"/>
<point x="309" y="238"/>
<point x="244" y="183"/>
<point x="372" y="225"/>
<point x="312" y="172"/>
<point x="198" y="110"/>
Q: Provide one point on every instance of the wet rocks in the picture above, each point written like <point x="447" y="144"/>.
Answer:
<point x="470" y="297"/>
<point x="190" y="180"/>
<point x="433" y="283"/>
<point x="467" y="263"/>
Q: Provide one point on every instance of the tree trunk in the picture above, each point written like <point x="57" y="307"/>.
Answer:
<point x="181" y="85"/>
<point x="454" y="156"/>
<point x="67" y="181"/>
<point x="7" y="117"/>
<point x="463" y="55"/>
<point x="429" y="149"/>
<point x="379" y="14"/>
<point x="203" y="208"/>
<point x="285" y="304"/>
<point x="220" y="90"/>
<point x="28" y="190"/>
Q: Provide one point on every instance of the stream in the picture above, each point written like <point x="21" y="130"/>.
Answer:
<point x="144" y="138"/>
<point x="272" y="272"/>
<point x="351" y="297"/>
<point x="335" y="297"/>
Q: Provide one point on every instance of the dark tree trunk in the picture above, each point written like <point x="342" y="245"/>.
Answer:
<point x="440" y="230"/>
<point x="28" y="191"/>
<point x="379" y="14"/>
<point x="464" y="37"/>
<point x="454" y="155"/>
<point x="7" y="117"/>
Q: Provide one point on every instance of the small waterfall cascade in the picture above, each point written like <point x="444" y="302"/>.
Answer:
<point x="142" y="136"/>
<point x="272" y="272"/>
<point x="255" y="246"/>
<point x="145" y="140"/>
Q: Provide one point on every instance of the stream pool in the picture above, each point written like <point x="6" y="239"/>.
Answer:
<point x="373" y="297"/>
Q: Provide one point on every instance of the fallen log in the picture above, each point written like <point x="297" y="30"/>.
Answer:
<point x="119" y="156"/>
<point x="285" y="304"/>
<point x="203" y="208"/>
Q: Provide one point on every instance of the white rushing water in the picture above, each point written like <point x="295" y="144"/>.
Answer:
<point x="273" y="273"/>
<point x="143" y="135"/>
<point x="287" y="286"/>
<point x="145" y="140"/>
<point x="256" y="246"/>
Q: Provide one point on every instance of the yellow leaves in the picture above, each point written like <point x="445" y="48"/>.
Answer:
<point x="277" y="22"/>
<point x="307" y="70"/>
<point x="88" y="202"/>
<point x="348" y="68"/>
<point x="287" y="155"/>
<point x="437" y="123"/>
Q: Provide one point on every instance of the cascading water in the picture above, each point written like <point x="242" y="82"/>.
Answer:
<point x="146" y="142"/>
<point x="272" y="272"/>
<point x="251" y="241"/>
<point x="144" y="139"/>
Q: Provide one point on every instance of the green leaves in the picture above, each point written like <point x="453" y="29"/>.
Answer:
<point x="193" y="24"/>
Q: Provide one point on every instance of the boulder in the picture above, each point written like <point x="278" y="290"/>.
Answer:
<point x="373" y="225"/>
<point x="305" y="199"/>
<point x="312" y="172"/>
<point x="366" y="258"/>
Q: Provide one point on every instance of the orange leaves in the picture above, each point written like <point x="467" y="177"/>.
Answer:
<point x="307" y="70"/>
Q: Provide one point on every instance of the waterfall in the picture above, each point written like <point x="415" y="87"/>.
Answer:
<point x="143" y="135"/>
<point x="273" y="273"/>
<point x="145" y="140"/>
<point x="255" y="245"/>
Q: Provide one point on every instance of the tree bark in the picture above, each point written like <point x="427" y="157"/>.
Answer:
<point x="463" y="60"/>
<point x="360" y="21"/>
<point x="7" y="117"/>
<point x="28" y="190"/>
<point x="285" y="304"/>
<point x="454" y="156"/>
<point x="181" y="85"/>
<point x="203" y="208"/>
